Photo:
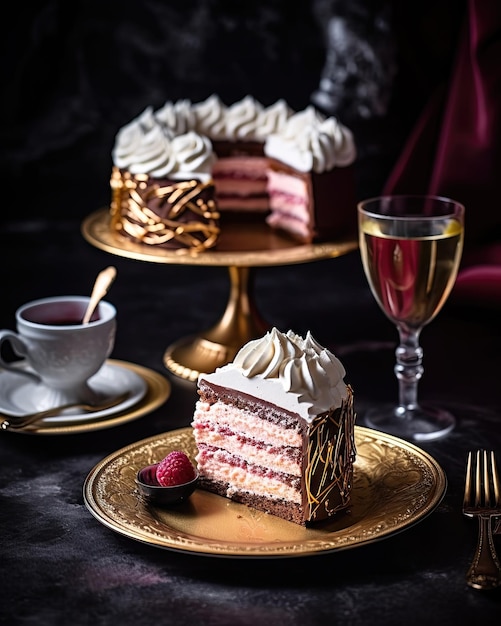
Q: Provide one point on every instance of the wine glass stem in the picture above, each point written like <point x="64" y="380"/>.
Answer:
<point x="408" y="369"/>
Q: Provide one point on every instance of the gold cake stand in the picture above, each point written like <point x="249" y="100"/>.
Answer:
<point x="242" y="247"/>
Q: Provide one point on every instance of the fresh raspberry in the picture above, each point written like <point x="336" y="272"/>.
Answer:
<point x="175" y="469"/>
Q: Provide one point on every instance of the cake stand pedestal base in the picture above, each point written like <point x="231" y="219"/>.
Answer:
<point x="241" y="322"/>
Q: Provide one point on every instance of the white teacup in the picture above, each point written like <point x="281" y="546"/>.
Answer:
<point x="59" y="352"/>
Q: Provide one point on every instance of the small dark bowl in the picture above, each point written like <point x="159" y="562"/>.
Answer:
<point x="148" y="485"/>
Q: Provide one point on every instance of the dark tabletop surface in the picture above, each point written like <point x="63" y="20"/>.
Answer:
<point x="73" y="74"/>
<point x="59" y="565"/>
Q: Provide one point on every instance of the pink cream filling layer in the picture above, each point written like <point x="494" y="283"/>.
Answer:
<point x="241" y="476"/>
<point x="245" y="422"/>
<point x="241" y="183"/>
<point x="276" y="458"/>
<point x="240" y="167"/>
<point x="285" y="221"/>
<point x="288" y="198"/>
<point x="248" y="453"/>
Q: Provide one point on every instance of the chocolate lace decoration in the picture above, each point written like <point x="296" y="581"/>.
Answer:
<point x="191" y="219"/>
<point x="331" y="454"/>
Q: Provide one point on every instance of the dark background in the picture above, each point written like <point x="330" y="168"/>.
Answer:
<point x="74" y="72"/>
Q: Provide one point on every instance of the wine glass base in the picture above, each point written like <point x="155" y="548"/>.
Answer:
<point x="421" y="424"/>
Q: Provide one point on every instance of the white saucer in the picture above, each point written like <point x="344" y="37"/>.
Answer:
<point x="18" y="395"/>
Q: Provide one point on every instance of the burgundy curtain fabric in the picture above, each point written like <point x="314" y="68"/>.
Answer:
<point x="455" y="150"/>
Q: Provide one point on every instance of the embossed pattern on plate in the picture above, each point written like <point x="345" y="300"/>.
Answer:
<point x="396" y="485"/>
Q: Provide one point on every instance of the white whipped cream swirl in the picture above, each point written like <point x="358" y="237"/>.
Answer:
<point x="301" y="375"/>
<point x="194" y="157"/>
<point x="210" y="118"/>
<point x="309" y="141"/>
<point x="246" y="120"/>
<point x="242" y="119"/>
<point x="146" y="146"/>
<point x="272" y="119"/>
<point x="177" y="117"/>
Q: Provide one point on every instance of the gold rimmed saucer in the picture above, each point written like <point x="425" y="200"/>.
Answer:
<point x="157" y="392"/>
<point x="396" y="484"/>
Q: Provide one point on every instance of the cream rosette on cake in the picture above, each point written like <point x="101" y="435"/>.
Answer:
<point x="309" y="142"/>
<point x="300" y="374"/>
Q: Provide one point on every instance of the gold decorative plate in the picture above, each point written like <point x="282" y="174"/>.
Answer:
<point x="396" y="485"/>
<point x="158" y="391"/>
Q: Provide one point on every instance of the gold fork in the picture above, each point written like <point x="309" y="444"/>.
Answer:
<point x="22" y="421"/>
<point x="482" y="499"/>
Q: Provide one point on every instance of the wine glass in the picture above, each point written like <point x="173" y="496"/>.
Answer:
<point x="411" y="248"/>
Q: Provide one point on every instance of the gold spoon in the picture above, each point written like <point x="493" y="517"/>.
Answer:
<point x="101" y="287"/>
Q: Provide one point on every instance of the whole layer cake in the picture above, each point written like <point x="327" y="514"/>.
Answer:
<point x="275" y="429"/>
<point x="178" y="170"/>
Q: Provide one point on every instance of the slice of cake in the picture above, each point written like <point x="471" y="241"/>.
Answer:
<point x="275" y="429"/>
<point x="292" y="170"/>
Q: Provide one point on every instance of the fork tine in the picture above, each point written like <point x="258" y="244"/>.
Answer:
<point x="495" y="481"/>
<point x="478" y="479"/>
<point x="468" y="483"/>
<point x="487" y="482"/>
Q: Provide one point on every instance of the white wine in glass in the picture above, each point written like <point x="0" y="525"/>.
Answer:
<point x="411" y="248"/>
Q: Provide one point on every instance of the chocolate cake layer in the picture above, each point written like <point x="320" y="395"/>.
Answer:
<point x="281" y="508"/>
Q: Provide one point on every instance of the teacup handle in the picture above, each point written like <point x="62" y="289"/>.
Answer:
<point x="20" y="349"/>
